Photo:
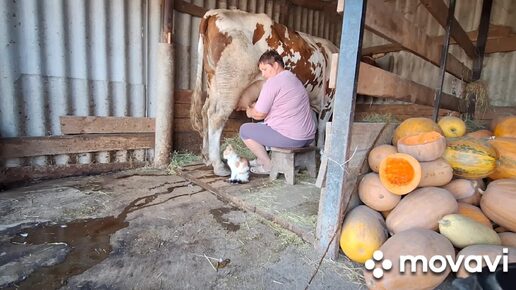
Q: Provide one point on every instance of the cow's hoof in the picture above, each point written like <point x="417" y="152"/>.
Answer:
<point x="221" y="171"/>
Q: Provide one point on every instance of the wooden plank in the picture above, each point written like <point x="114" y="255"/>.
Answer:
<point x="16" y="176"/>
<point x="390" y="24"/>
<point x="68" y="144"/>
<point x="439" y="11"/>
<point x="105" y="125"/>
<point x="376" y="82"/>
<point x="184" y="125"/>
<point x="189" y="8"/>
<point x="398" y="111"/>
<point x="182" y="111"/>
<point x="507" y="44"/>
<point x="313" y="4"/>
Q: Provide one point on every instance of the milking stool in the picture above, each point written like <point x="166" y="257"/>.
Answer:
<point x="285" y="160"/>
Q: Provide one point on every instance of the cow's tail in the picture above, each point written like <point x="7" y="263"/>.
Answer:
<point x="196" y="101"/>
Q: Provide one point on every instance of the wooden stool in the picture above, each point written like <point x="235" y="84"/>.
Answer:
<point x="285" y="160"/>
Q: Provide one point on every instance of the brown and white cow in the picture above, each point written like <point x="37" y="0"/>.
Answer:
<point x="230" y="44"/>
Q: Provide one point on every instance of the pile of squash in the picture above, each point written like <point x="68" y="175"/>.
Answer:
<point x="426" y="195"/>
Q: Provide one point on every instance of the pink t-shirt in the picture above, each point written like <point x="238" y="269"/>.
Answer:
<point x="285" y="100"/>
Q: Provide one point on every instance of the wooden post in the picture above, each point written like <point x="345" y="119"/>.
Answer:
<point x="165" y="89"/>
<point x="444" y="57"/>
<point x="483" y="30"/>
<point x="333" y="203"/>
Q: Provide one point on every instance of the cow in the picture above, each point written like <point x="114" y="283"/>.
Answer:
<point x="230" y="44"/>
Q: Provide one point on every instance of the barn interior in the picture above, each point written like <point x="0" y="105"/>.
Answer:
<point x="96" y="139"/>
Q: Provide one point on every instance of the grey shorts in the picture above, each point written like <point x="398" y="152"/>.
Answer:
<point x="267" y="136"/>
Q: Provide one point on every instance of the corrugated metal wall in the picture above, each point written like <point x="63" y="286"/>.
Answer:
<point x="498" y="69"/>
<point x="84" y="58"/>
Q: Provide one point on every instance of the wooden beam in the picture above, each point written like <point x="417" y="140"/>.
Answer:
<point x="189" y="8"/>
<point x="104" y="125"/>
<point x="376" y="82"/>
<point x="69" y="144"/>
<point x="314" y="4"/>
<point x="496" y="32"/>
<point x="501" y="45"/>
<point x="16" y="176"/>
<point x="390" y="24"/>
<point x="439" y="11"/>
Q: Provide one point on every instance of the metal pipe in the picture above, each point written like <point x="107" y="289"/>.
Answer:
<point x="444" y="58"/>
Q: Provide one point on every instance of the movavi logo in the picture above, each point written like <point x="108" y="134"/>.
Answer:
<point x="438" y="263"/>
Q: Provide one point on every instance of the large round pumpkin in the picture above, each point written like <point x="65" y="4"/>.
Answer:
<point x="422" y="208"/>
<point x="414" y="126"/>
<point x="377" y="154"/>
<point x="415" y="242"/>
<point x="506" y="127"/>
<point x="470" y="158"/>
<point x="506" y="163"/>
<point x="400" y="173"/>
<point x="363" y="232"/>
<point x="452" y="126"/>
<point x="499" y="203"/>
<point x="463" y="231"/>
<point x="435" y="173"/>
<point x="373" y="194"/>
<point x="426" y="146"/>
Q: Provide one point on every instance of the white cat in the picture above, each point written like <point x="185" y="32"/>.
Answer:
<point x="239" y="166"/>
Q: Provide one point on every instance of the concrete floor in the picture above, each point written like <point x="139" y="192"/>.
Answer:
<point x="144" y="229"/>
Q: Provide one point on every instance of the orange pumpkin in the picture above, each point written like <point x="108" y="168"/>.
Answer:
<point x="426" y="146"/>
<point x="506" y="163"/>
<point x="506" y="127"/>
<point x="474" y="213"/>
<point x="480" y="134"/>
<point x="414" y="126"/>
<point x="400" y="173"/>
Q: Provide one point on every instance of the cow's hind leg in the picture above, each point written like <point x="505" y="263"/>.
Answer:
<point x="217" y="116"/>
<point x="205" y="135"/>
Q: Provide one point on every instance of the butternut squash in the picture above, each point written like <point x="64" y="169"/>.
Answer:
<point x="490" y="251"/>
<point x="435" y="173"/>
<point x="465" y="190"/>
<point x="377" y="154"/>
<point x="508" y="239"/>
<point x="373" y="194"/>
<point x="413" y="242"/>
<point x="422" y="208"/>
<point x="499" y="203"/>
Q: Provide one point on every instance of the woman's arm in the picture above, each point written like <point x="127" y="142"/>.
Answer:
<point x="252" y="113"/>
